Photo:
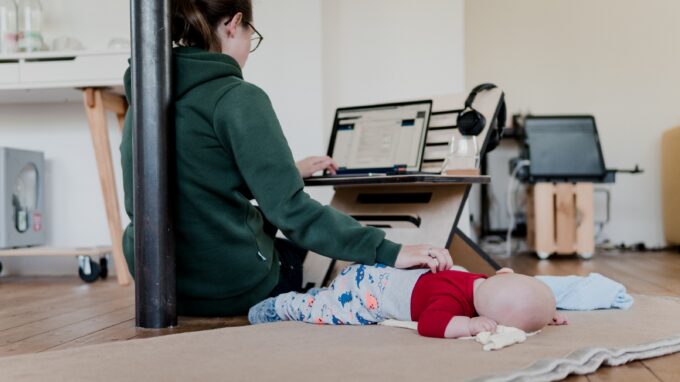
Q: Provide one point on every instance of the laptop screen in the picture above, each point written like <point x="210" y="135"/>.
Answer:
<point x="380" y="138"/>
<point x="564" y="147"/>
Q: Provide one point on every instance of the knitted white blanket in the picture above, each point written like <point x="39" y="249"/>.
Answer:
<point x="504" y="336"/>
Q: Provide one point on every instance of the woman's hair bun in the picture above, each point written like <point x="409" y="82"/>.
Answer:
<point x="195" y="22"/>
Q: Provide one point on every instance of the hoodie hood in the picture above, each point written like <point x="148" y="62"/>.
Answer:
<point x="197" y="67"/>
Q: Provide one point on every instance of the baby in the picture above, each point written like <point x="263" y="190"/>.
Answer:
<point x="446" y="304"/>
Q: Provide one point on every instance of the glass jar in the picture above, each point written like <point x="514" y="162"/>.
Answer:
<point x="8" y="26"/>
<point x="462" y="156"/>
<point x="30" y="26"/>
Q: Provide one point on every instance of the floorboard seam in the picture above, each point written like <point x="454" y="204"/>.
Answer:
<point x="63" y="326"/>
<point x="88" y="334"/>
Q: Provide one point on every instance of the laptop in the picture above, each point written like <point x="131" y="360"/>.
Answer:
<point x="387" y="139"/>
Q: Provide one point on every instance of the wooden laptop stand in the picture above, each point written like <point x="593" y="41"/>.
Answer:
<point x="411" y="209"/>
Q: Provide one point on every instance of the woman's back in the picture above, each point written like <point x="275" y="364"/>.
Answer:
<point x="230" y="149"/>
<point x="215" y="222"/>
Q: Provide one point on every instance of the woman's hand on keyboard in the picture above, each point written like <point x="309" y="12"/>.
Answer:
<point x="308" y="166"/>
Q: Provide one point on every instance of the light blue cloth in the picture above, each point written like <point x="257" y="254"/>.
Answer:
<point x="588" y="293"/>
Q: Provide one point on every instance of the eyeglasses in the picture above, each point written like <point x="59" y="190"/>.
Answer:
<point x="255" y="40"/>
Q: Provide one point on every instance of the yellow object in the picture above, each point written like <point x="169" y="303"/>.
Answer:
<point x="670" y="184"/>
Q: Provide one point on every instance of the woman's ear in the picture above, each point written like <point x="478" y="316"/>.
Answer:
<point x="235" y="22"/>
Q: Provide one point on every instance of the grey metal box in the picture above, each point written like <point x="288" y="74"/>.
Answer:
<point x="22" y="198"/>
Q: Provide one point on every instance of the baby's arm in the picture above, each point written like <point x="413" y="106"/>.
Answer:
<point x="461" y="326"/>
<point x="444" y="318"/>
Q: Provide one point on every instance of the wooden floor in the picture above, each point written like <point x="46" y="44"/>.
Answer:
<point x="45" y="314"/>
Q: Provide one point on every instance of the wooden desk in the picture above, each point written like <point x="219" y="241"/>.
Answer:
<point x="96" y="77"/>
<point x="411" y="209"/>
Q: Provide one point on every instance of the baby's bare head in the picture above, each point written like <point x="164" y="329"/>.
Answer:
<point x="515" y="300"/>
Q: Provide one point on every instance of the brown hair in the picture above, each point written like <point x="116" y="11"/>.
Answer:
<point x="194" y="22"/>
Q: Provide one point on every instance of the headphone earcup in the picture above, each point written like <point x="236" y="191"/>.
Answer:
<point x="471" y="122"/>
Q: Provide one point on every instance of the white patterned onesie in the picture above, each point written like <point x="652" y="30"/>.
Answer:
<point x="360" y="295"/>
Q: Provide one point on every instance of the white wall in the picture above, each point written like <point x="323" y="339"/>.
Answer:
<point x="616" y="60"/>
<point x="383" y="50"/>
<point x="287" y="65"/>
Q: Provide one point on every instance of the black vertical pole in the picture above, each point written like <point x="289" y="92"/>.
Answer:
<point x="153" y="145"/>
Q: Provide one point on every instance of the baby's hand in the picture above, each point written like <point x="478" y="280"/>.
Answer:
<point x="481" y="324"/>
<point x="559" y="319"/>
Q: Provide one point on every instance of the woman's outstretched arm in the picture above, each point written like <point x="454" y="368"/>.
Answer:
<point x="247" y="127"/>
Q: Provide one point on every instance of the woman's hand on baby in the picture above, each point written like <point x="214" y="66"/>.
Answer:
<point x="308" y="166"/>
<point x="424" y="256"/>
<point x="481" y="324"/>
<point x="559" y="319"/>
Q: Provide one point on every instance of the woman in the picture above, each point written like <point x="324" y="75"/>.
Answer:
<point x="230" y="149"/>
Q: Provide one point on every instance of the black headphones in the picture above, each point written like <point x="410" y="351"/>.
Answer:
<point x="472" y="122"/>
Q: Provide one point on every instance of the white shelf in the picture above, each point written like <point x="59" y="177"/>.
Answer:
<point x="43" y="55"/>
<point x="54" y="76"/>
<point x="55" y="251"/>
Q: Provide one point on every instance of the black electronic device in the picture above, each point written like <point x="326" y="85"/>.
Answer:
<point x="472" y="122"/>
<point x="564" y="148"/>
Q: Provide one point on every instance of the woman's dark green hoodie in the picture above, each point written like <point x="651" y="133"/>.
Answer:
<point x="230" y="149"/>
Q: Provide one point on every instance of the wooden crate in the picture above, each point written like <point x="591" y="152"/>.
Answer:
<point x="560" y="219"/>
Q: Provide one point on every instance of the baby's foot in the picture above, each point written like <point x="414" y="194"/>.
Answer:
<point x="263" y="312"/>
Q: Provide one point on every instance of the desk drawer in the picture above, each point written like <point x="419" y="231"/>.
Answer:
<point x="74" y="68"/>
<point x="440" y="135"/>
<point x="435" y="152"/>
<point x="9" y="73"/>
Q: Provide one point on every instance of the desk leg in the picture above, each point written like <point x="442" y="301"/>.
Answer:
<point x="117" y="104"/>
<point x="467" y="254"/>
<point x="542" y="219"/>
<point x="96" y="115"/>
<point x="585" y="220"/>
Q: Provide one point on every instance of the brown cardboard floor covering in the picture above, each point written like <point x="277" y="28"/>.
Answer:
<point x="300" y="352"/>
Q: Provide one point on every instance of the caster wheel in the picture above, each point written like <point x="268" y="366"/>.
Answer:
<point x="88" y="270"/>
<point x="585" y="256"/>
<point x="543" y="255"/>
<point x="104" y="268"/>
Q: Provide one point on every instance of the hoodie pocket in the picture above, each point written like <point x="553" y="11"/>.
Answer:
<point x="264" y="242"/>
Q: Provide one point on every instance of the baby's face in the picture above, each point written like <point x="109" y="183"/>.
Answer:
<point x="515" y="300"/>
